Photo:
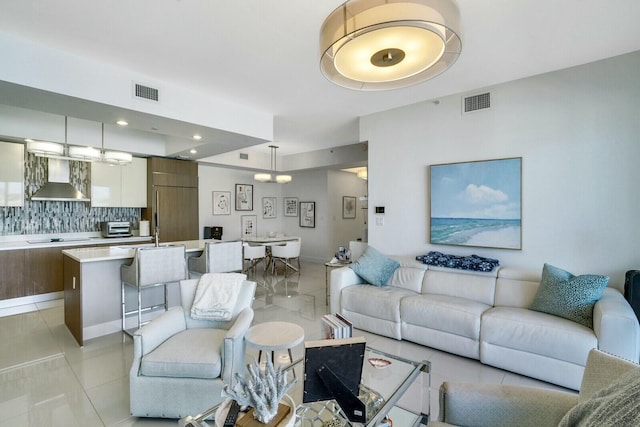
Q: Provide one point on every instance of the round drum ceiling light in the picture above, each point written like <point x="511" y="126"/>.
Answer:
<point x="389" y="44"/>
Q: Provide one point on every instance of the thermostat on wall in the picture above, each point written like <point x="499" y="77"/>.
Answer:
<point x="379" y="209"/>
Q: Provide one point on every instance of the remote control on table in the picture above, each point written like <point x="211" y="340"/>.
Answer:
<point x="230" y="421"/>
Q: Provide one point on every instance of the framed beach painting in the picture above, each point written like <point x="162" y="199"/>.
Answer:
<point x="477" y="203"/>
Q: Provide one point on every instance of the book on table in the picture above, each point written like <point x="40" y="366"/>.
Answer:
<point x="335" y="326"/>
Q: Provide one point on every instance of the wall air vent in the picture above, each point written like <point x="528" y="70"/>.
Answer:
<point x="478" y="102"/>
<point x="244" y="156"/>
<point x="145" y="92"/>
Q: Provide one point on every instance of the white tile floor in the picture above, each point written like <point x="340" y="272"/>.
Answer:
<point x="46" y="379"/>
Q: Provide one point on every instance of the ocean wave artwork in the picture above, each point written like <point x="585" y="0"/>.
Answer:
<point x="504" y="233"/>
<point x="477" y="204"/>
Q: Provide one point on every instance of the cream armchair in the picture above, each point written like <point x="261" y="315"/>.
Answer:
<point x="467" y="404"/>
<point x="180" y="365"/>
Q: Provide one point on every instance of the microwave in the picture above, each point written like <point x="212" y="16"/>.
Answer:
<point x="115" y="229"/>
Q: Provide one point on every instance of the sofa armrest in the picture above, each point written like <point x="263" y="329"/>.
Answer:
<point x="616" y="325"/>
<point x="341" y="278"/>
<point x="480" y="404"/>
<point x="234" y="347"/>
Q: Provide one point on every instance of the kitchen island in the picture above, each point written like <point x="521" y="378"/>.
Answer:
<point x="92" y="292"/>
<point x="32" y="264"/>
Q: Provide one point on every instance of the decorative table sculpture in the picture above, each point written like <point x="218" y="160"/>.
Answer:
<point x="263" y="391"/>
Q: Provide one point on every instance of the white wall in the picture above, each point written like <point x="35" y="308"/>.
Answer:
<point x="342" y="184"/>
<point x="310" y="186"/>
<point x="224" y="179"/>
<point x="577" y="132"/>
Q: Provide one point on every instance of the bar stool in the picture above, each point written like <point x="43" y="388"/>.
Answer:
<point x="217" y="257"/>
<point x="151" y="267"/>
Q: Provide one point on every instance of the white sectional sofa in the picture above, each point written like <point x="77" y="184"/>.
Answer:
<point x="485" y="316"/>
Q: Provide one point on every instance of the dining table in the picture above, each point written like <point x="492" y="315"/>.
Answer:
<point x="269" y="241"/>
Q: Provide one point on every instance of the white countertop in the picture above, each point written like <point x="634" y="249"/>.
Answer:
<point x="107" y="253"/>
<point x="67" y="239"/>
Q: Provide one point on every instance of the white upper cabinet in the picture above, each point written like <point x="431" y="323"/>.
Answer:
<point x="11" y="174"/>
<point x="23" y="123"/>
<point x="119" y="186"/>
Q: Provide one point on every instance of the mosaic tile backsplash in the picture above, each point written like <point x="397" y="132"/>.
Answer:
<point x="46" y="217"/>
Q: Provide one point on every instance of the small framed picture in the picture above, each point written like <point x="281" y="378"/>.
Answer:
<point x="222" y="202"/>
<point x="290" y="206"/>
<point x="244" y="197"/>
<point x="249" y="226"/>
<point x="269" y="207"/>
<point x="308" y="214"/>
<point x="348" y="207"/>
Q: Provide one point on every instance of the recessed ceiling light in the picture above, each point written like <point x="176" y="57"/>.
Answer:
<point x="122" y="122"/>
<point x="193" y="151"/>
<point x="197" y="137"/>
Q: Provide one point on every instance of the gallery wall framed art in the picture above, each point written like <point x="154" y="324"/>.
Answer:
<point x="244" y="197"/>
<point x="308" y="214"/>
<point x="348" y="207"/>
<point x="249" y="226"/>
<point x="222" y="202"/>
<point x="290" y="206"/>
<point x="269" y="207"/>
<point x="477" y="203"/>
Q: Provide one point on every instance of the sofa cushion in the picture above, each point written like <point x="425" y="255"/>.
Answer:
<point x="615" y="405"/>
<point x="473" y="285"/>
<point x="193" y="353"/>
<point x="565" y="295"/>
<point x="537" y="333"/>
<point x="455" y="315"/>
<point x="373" y="301"/>
<point x="374" y="267"/>
<point x="408" y="278"/>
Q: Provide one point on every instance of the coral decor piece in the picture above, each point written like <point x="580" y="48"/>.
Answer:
<point x="263" y="391"/>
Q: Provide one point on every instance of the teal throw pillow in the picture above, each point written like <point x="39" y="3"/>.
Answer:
<point x="562" y="294"/>
<point x="375" y="268"/>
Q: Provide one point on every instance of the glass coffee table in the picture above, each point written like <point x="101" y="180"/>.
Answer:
<point x="391" y="386"/>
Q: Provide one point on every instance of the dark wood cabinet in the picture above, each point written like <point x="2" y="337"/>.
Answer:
<point x="172" y="198"/>
<point x="12" y="274"/>
<point x="43" y="270"/>
<point x="72" y="298"/>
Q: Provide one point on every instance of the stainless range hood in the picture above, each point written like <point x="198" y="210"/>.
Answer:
<point x="58" y="187"/>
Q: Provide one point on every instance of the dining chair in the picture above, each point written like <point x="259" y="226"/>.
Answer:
<point x="253" y="255"/>
<point x="285" y="254"/>
<point x="151" y="267"/>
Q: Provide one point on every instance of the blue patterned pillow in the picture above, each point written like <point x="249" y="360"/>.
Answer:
<point x="375" y="268"/>
<point x="562" y="294"/>
<point x="471" y="262"/>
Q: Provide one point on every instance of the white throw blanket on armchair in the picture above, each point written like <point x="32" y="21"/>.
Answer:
<point x="216" y="296"/>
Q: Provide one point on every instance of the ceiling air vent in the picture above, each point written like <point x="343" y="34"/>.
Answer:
<point x="244" y="156"/>
<point x="145" y="92"/>
<point x="478" y="102"/>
